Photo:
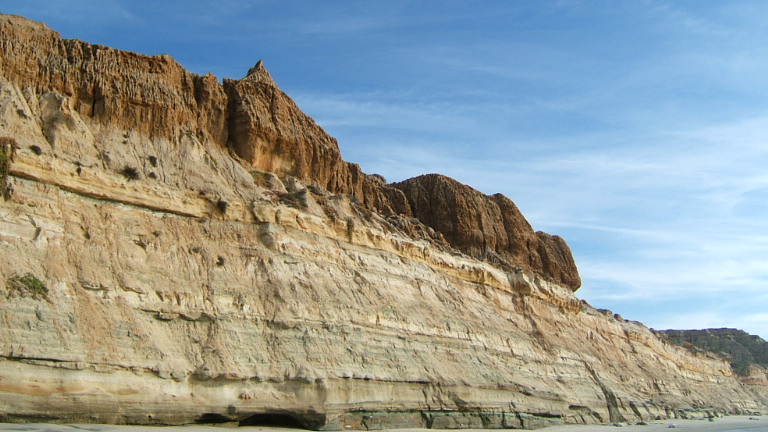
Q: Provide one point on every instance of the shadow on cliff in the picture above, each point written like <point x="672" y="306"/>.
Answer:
<point x="272" y="420"/>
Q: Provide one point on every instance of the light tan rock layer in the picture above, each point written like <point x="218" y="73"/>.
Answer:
<point x="154" y="98"/>
<point x="184" y="284"/>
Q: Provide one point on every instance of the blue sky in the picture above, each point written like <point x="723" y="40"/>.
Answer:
<point x="636" y="130"/>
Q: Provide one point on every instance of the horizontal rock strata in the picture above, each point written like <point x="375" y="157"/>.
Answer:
<point x="179" y="250"/>
<point x="154" y="97"/>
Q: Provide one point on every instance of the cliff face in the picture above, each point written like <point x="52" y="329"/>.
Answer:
<point x="176" y="249"/>
<point x="744" y="351"/>
<point x="489" y="228"/>
<point x="747" y="354"/>
<point x="270" y="133"/>
<point x="154" y="97"/>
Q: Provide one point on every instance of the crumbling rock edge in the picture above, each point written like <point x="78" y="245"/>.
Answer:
<point x="206" y="255"/>
<point x="156" y="98"/>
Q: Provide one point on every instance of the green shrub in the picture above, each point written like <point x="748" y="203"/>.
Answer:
<point x="130" y="172"/>
<point x="378" y="178"/>
<point x="316" y="190"/>
<point x="7" y="150"/>
<point x="350" y="228"/>
<point x="260" y="178"/>
<point x="28" y="284"/>
<point x="330" y="212"/>
<point x="222" y="206"/>
<point x="292" y="199"/>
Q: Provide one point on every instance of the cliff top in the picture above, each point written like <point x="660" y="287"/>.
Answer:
<point x="264" y="130"/>
<point x="742" y="349"/>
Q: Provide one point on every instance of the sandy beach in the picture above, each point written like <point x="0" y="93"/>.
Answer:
<point x="727" y="424"/>
<point x="733" y="423"/>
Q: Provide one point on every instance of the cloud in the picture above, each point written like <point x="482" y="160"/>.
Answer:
<point x="686" y="21"/>
<point x="754" y="323"/>
<point x="373" y="111"/>
<point x="684" y="320"/>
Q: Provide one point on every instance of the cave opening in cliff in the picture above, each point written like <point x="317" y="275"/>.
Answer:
<point x="212" y="418"/>
<point x="280" y="420"/>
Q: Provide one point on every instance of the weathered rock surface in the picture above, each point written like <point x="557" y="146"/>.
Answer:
<point x="270" y="133"/>
<point x="157" y="270"/>
<point x="748" y="354"/>
<point x="154" y="97"/>
<point x="488" y="227"/>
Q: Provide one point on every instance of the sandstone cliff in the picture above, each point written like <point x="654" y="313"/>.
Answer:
<point x="176" y="249"/>
<point x="744" y="351"/>
<point x="154" y="97"/>
<point x="490" y="228"/>
<point x="747" y="354"/>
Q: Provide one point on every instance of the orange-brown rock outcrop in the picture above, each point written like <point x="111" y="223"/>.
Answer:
<point x="490" y="228"/>
<point x="177" y="250"/>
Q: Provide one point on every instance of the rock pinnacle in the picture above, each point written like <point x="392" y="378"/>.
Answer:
<point x="259" y="73"/>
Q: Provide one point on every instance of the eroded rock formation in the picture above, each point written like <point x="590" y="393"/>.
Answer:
<point x="176" y="249"/>
<point x="490" y="228"/>
<point x="748" y="354"/>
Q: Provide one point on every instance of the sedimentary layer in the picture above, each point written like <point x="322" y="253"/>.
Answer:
<point x="135" y="100"/>
<point x="180" y="250"/>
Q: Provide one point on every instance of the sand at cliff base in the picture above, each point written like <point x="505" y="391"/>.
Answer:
<point x="734" y="423"/>
<point x="731" y="424"/>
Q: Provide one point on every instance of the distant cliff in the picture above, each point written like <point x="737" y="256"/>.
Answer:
<point x="743" y="350"/>
<point x="176" y="249"/>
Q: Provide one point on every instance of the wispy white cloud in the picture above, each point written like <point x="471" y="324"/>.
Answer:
<point x="685" y="319"/>
<point x="672" y="18"/>
<point x="756" y="323"/>
<point x="371" y="111"/>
